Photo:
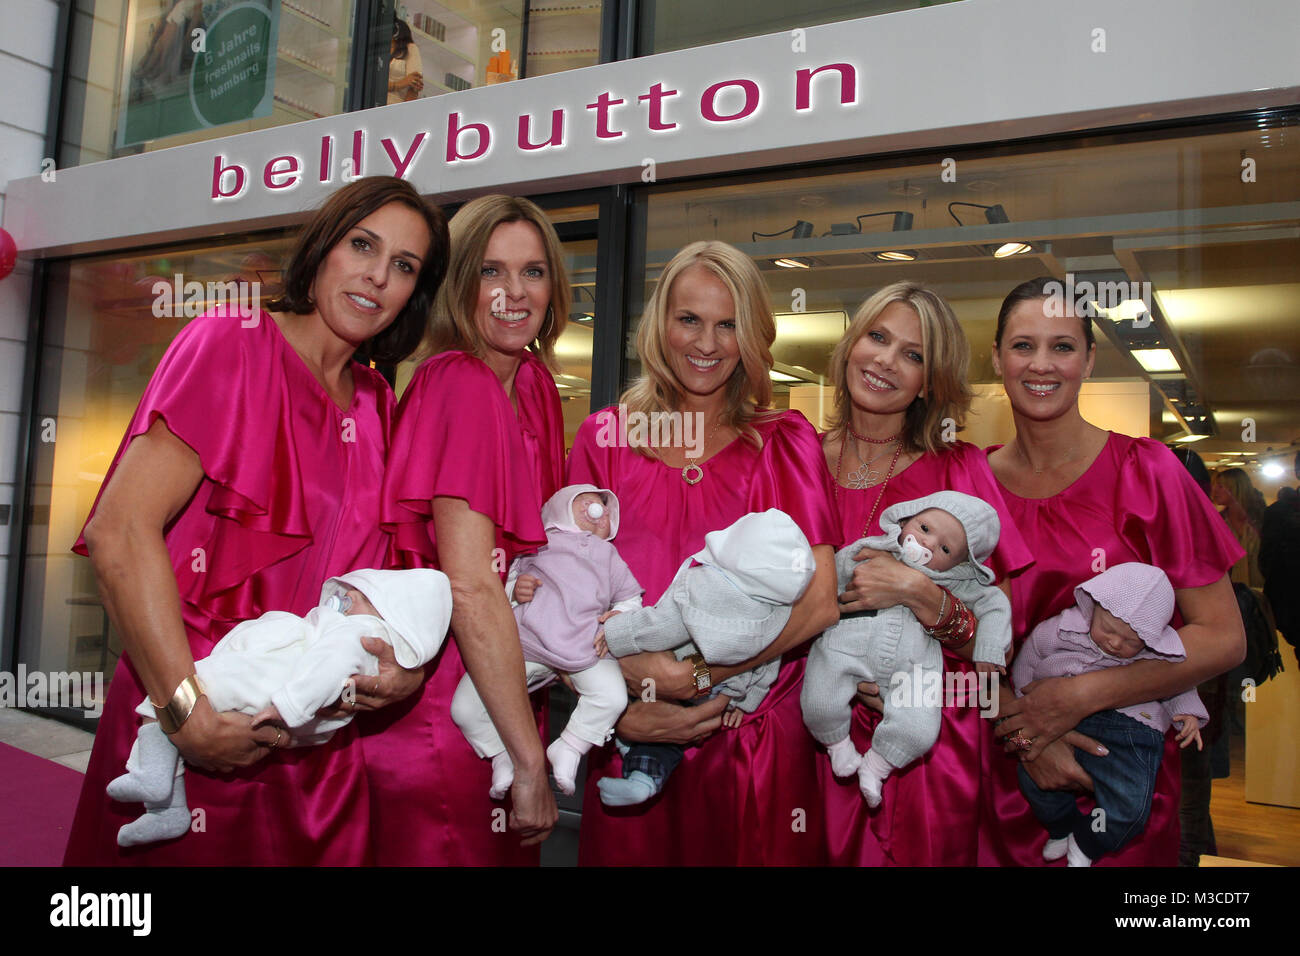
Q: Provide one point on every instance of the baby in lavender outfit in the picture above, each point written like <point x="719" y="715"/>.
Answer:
<point x="568" y="589"/>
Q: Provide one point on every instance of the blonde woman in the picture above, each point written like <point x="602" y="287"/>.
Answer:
<point x="901" y="394"/>
<point x="745" y="795"/>
<point x="477" y="448"/>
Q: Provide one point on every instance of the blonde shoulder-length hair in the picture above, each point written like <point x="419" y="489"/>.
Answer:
<point x="749" y="390"/>
<point x="451" y="322"/>
<point x="946" y="393"/>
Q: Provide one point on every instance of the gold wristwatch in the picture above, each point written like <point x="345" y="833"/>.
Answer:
<point x="177" y="710"/>
<point x="703" y="679"/>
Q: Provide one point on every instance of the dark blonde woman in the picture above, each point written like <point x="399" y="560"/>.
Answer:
<point x="901" y="393"/>
<point x="478" y="447"/>
<point x="745" y="795"/>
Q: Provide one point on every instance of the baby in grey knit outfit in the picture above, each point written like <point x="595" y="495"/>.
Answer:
<point x="946" y="536"/>
<point x="727" y="603"/>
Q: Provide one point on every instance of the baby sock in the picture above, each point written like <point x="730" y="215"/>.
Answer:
<point x="871" y="777"/>
<point x="503" y="775"/>
<point x="1075" y="856"/>
<point x="1055" y="849"/>
<point x="845" y="759"/>
<point x="162" y="819"/>
<point x="150" y="769"/>
<point x="564" y="756"/>
<point x="636" y="787"/>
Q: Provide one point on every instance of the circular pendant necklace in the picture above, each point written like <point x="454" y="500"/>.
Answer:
<point x="692" y="471"/>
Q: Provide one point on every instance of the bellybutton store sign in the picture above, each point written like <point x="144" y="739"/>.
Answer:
<point x="199" y="65"/>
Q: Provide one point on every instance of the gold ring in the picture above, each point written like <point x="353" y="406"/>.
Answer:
<point x="1021" y="741"/>
<point x="276" y="742"/>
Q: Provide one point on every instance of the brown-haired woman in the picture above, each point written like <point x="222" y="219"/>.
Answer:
<point x="901" y="393"/>
<point x="478" y="447"/>
<point x="249" y="474"/>
<point x="1087" y="499"/>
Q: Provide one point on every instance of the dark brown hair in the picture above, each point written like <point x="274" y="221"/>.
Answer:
<point x="343" y="210"/>
<point x="1044" y="287"/>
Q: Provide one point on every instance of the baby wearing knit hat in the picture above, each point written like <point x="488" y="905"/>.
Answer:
<point x="1120" y="616"/>
<point x="948" y="536"/>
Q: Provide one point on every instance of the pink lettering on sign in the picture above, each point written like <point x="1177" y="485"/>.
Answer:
<point x="708" y="107"/>
<point x="664" y="109"/>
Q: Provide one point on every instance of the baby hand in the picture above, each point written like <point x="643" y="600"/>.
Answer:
<point x="983" y="667"/>
<point x="526" y="588"/>
<point x="733" y="718"/>
<point x="1191" y="731"/>
<point x="268" y="715"/>
<point x="602" y="649"/>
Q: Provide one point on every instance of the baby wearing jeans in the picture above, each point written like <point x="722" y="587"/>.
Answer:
<point x="1120" y="616"/>
<point x="948" y="536"/>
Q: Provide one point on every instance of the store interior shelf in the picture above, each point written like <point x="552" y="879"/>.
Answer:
<point x="286" y="57"/>
<point x="440" y="45"/>
<point x="308" y="18"/>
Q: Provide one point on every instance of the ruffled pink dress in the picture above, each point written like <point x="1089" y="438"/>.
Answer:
<point x="457" y="436"/>
<point x="929" y="814"/>
<point x="1134" y="503"/>
<point x="290" y="497"/>
<point x="749" y="795"/>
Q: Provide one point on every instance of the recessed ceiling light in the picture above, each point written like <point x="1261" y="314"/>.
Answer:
<point x="776" y="376"/>
<point x="1156" y="360"/>
<point x="792" y="263"/>
<point x="896" y="255"/>
<point x="1011" y="249"/>
<point x="1187" y="439"/>
<point x="1273" y="470"/>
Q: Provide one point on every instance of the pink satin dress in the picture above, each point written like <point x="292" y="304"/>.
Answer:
<point x="749" y="795"/>
<point x="1134" y="503"/>
<point x="929" y="814"/>
<point x="456" y="436"/>
<point x="289" y="497"/>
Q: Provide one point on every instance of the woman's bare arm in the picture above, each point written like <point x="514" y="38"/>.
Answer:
<point x="488" y="638"/>
<point x="157" y="474"/>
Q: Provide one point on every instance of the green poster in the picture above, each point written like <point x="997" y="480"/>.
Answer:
<point x="192" y="65"/>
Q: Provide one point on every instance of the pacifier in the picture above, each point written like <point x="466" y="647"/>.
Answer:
<point x="914" y="553"/>
<point x="339" y="602"/>
<point x="595" y="511"/>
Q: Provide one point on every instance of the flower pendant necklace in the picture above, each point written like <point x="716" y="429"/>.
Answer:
<point x="898" y="450"/>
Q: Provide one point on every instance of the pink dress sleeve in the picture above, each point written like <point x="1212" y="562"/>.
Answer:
<point x="457" y="436"/>
<point x="793" y="478"/>
<point x="588" y="462"/>
<point x="1158" y="505"/>
<point x="969" y="472"/>
<point x="216" y="392"/>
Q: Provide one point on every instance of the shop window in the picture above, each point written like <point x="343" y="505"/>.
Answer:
<point x="680" y="24"/>
<point x="1184" y="244"/>
<point x="149" y="74"/>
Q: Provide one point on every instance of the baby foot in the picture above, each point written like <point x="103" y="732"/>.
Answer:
<point x="871" y="777"/>
<point x="1075" y="856"/>
<point x="503" y="775"/>
<point x="162" y="820"/>
<point x="636" y="787"/>
<point x="845" y="758"/>
<point x="564" y="765"/>
<point x="1055" y="849"/>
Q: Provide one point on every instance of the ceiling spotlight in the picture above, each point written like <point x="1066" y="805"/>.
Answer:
<point x="896" y="255"/>
<point x="1156" y="360"/>
<point x="994" y="215"/>
<point x="802" y="229"/>
<point x="792" y="262"/>
<point x="1272" y="470"/>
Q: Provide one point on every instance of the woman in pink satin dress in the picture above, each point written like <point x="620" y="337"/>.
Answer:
<point x="249" y="474"/>
<point x="746" y="795"/>
<point x="1086" y="499"/>
<point x="899" y="374"/>
<point x="477" y="449"/>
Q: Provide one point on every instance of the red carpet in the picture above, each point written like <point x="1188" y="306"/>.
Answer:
<point x="37" y="800"/>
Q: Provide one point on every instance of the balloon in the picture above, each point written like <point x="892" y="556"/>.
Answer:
<point x="8" y="253"/>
